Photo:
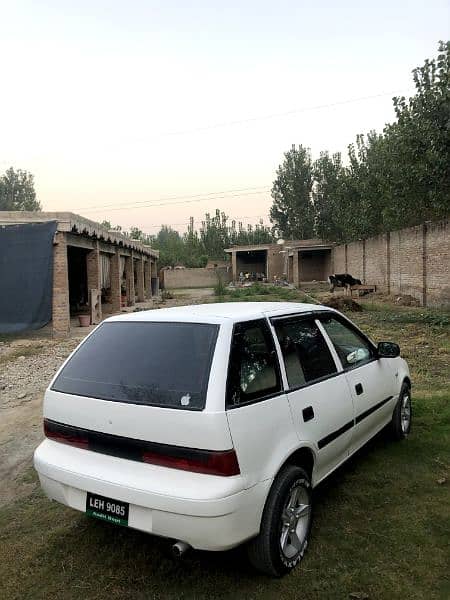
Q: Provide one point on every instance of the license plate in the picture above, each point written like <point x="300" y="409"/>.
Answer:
<point x="107" y="509"/>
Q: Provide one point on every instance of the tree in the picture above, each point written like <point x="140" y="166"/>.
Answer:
<point x="395" y="179"/>
<point x="214" y="234"/>
<point x="292" y="211"/>
<point x="137" y="234"/>
<point x="418" y="148"/>
<point x="328" y="175"/>
<point x="195" y="247"/>
<point x="107" y="225"/>
<point x="17" y="191"/>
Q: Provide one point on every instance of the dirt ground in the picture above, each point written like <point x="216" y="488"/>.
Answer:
<point x="26" y="367"/>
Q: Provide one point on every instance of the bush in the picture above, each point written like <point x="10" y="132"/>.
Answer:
<point x="220" y="289"/>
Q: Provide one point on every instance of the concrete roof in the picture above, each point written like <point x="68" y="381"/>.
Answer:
<point x="220" y="312"/>
<point x="312" y="244"/>
<point x="72" y="223"/>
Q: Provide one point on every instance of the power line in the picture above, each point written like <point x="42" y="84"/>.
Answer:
<point x="209" y="199"/>
<point x="278" y="115"/>
<point x="237" y="219"/>
<point x="255" y="187"/>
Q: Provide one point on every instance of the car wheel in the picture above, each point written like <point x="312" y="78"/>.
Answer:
<point x="285" y="524"/>
<point x="401" y="417"/>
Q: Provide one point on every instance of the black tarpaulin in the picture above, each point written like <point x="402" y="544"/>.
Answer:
<point x="26" y="276"/>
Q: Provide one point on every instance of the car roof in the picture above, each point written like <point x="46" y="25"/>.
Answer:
<point x="220" y="312"/>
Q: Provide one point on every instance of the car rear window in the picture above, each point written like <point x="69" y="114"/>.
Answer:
<point x="151" y="363"/>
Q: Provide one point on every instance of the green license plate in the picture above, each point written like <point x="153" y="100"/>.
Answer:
<point x="107" y="509"/>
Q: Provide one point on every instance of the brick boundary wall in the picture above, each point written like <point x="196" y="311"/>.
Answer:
<point x="413" y="261"/>
<point x="194" y="278"/>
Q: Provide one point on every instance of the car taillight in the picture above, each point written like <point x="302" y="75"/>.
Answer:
<point x="211" y="462"/>
<point x="70" y="437"/>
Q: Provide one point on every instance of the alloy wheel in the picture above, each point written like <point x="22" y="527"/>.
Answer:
<point x="295" y="521"/>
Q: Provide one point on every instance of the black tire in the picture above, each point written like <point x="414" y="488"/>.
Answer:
<point x="265" y="551"/>
<point x="399" y="428"/>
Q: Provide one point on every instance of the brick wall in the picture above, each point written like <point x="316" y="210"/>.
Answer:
<point x="355" y="266"/>
<point x="60" y="308"/>
<point x="194" y="278"/>
<point x="437" y="263"/>
<point x="406" y="250"/>
<point x="413" y="261"/>
<point x="376" y="269"/>
<point x="276" y="263"/>
<point x="339" y="259"/>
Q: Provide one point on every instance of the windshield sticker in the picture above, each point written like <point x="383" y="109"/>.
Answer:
<point x="185" y="400"/>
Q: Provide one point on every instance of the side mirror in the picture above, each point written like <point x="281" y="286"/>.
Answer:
<point x="388" y="350"/>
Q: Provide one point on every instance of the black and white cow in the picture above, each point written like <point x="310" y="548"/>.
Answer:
<point x="342" y="280"/>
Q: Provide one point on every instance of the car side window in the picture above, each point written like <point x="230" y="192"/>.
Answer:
<point x="352" y="349"/>
<point x="253" y="371"/>
<point x="305" y="352"/>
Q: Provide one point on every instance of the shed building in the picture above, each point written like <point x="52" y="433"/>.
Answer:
<point x="296" y="261"/>
<point x="55" y="265"/>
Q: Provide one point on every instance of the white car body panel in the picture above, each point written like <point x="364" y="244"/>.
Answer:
<point x="376" y="379"/>
<point x="333" y="409"/>
<point x="163" y="425"/>
<point x="264" y="436"/>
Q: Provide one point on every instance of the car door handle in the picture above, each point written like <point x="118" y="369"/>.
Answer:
<point x="359" y="389"/>
<point x="308" y="413"/>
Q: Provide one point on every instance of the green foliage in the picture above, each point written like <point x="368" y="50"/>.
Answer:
<point x="17" y="191"/>
<point x="107" y="225"/>
<point x="220" y="288"/>
<point x="435" y="319"/>
<point x="195" y="247"/>
<point x="292" y="210"/>
<point x="395" y="179"/>
<point x="267" y="293"/>
<point x="327" y="192"/>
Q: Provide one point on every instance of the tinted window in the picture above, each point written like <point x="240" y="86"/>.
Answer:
<point x="253" y="369"/>
<point x="352" y="349"/>
<point x="158" y="364"/>
<point x="305" y="353"/>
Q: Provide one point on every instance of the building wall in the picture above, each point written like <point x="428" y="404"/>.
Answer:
<point x="254" y="266"/>
<point x="376" y="255"/>
<point x="406" y="258"/>
<point x="413" y="261"/>
<point x="314" y="265"/>
<point x="339" y="265"/>
<point x="276" y="263"/>
<point x="60" y="308"/>
<point x="194" y="278"/>
<point x="437" y="263"/>
<point x="355" y="253"/>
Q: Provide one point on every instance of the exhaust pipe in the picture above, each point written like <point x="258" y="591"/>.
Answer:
<point x="179" y="549"/>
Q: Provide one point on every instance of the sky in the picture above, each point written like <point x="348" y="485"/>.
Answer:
<point x="147" y="112"/>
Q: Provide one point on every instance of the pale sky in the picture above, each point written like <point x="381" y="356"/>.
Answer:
<point x="121" y="108"/>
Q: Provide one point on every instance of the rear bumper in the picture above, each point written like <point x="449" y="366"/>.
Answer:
<point x="207" y="512"/>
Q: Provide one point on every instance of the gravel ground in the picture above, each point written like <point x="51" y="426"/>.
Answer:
<point x="26" y="367"/>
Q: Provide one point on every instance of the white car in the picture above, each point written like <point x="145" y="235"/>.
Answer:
<point x="211" y="424"/>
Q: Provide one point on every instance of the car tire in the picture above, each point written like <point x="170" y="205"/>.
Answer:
<point x="285" y="524"/>
<point x="401" y="417"/>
